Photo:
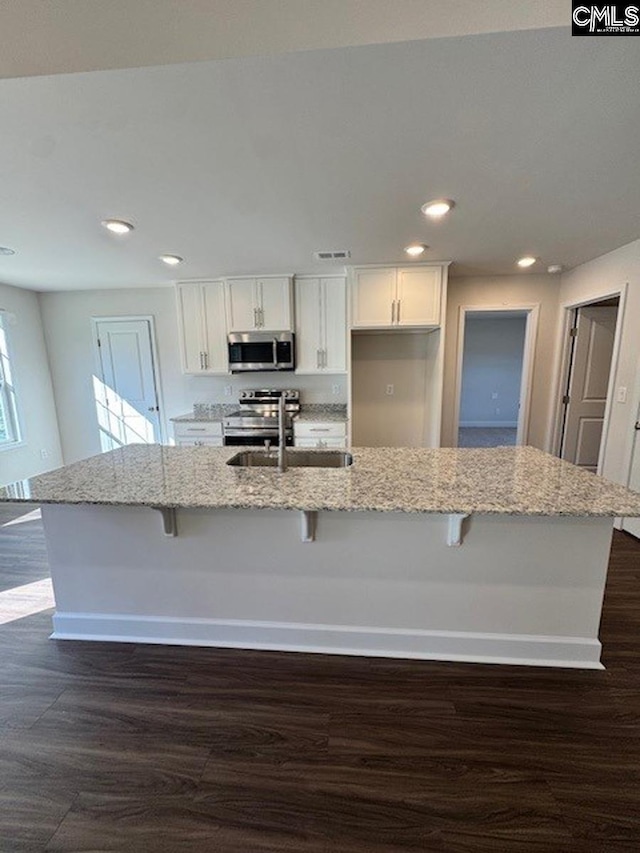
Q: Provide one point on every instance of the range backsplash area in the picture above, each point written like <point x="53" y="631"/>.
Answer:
<point x="226" y="389"/>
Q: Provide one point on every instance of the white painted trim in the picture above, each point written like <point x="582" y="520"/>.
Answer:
<point x="519" y="649"/>
<point x="562" y="365"/>
<point x="480" y="424"/>
<point x="532" y="311"/>
<point x="126" y="318"/>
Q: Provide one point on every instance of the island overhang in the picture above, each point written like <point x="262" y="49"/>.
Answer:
<point x="381" y="578"/>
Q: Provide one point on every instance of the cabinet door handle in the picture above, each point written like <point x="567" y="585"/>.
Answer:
<point x="324" y="358"/>
<point x="393" y="312"/>
<point x="261" y="315"/>
<point x="319" y="429"/>
<point x="398" y="311"/>
<point x="255" y="318"/>
<point x="318" y="359"/>
<point x="206" y="360"/>
<point x="201" y="361"/>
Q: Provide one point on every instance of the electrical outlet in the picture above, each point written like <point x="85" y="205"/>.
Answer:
<point x="335" y="389"/>
<point x="621" y="396"/>
<point x="494" y="395"/>
<point x="390" y="390"/>
<point x="44" y="453"/>
<point x="228" y="390"/>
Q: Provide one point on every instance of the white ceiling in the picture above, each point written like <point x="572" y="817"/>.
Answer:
<point x="250" y="164"/>
<point x="62" y="36"/>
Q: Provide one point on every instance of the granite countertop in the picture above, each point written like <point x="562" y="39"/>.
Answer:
<point x="206" y="413"/>
<point x="505" y="480"/>
<point x="321" y="412"/>
<point x="312" y="412"/>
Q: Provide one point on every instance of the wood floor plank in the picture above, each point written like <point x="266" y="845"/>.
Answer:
<point x="126" y="747"/>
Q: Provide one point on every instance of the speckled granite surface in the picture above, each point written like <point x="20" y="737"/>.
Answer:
<point x="505" y="480"/>
<point x="325" y="412"/>
<point x="213" y="413"/>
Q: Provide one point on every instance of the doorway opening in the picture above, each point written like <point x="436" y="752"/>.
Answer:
<point x="589" y="344"/>
<point x="125" y="383"/>
<point x="495" y="363"/>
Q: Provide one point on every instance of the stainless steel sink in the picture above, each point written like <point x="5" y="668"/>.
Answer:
<point x="295" y="459"/>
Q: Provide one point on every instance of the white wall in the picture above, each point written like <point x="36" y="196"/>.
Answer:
<point x="503" y="292"/>
<point x="36" y="408"/>
<point x="404" y="361"/>
<point x="67" y="322"/>
<point x="492" y="365"/>
<point x="590" y="282"/>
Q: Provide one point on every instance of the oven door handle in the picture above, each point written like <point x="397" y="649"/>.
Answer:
<point x="275" y="352"/>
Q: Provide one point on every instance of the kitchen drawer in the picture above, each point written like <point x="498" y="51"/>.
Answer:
<point x="197" y="430"/>
<point x="320" y="429"/>
<point x="320" y="442"/>
<point x="194" y="441"/>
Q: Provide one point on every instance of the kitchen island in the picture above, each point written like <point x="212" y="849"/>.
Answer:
<point x="495" y="555"/>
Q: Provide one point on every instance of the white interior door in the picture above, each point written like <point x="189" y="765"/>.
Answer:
<point x="125" y="388"/>
<point x="632" y="525"/>
<point x="588" y="385"/>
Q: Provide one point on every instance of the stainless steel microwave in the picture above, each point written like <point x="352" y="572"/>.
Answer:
<point x="257" y="351"/>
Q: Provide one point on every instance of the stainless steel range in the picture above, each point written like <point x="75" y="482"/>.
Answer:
<point x="256" y="421"/>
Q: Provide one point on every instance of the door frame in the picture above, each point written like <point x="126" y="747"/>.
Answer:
<point x="563" y="364"/>
<point x="126" y="318"/>
<point x="532" y="311"/>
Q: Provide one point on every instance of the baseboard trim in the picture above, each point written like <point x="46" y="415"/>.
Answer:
<point x="515" y="649"/>
<point x="493" y="424"/>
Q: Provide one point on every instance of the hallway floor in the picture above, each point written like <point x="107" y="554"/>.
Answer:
<point x="486" y="436"/>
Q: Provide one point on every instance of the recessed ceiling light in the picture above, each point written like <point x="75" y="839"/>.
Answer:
<point x="415" y="249"/>
<point x="553" y="268"/>
<point x="5" y="250"/>
<point x="437" y="208"/>
<point x="117" y="226"/>
<point x="171" y="260"/>
<point x="527" y="261"/>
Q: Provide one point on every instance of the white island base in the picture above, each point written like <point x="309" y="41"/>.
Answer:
<point x="517" y="590"/>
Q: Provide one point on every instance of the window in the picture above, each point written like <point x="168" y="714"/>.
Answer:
<point x="9" y="429"/>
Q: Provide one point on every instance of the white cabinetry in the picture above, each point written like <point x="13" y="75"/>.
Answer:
<point x="259" y="303"/>
<point x="321" y="324"/>
<point x="197" y="433"/>
<point x="202" y="327"/>
<point x="320" y="434"/>
<point x="393" y="297"/>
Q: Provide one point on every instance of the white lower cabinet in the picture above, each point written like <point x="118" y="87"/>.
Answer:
<point x="321" y="442"/>
<point x="320" y="434"/>
<point x="194" y="434"/>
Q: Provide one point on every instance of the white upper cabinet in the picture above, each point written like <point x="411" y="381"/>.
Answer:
<point x="373" y="294"/>
<point x="419" y="293"/>
<point x="259" y="303"/>
<point x="392" y="297"/>
<point x="202" y="327"/>
<point x="321" y="325"/>
<point x="242" y="304"/>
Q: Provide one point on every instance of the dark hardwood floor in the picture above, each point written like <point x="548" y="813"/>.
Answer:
<point x="23" y="555"/>
<point x="147" y="748"/>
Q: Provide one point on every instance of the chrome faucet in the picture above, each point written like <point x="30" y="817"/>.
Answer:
<point x="282" y="438"/>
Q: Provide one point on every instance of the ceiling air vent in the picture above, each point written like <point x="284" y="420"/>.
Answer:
<point x="340" y="255"/>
